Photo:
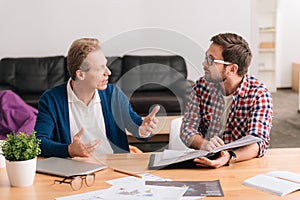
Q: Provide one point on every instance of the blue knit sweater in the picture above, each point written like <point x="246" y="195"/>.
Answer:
<point x="53" y="126"/>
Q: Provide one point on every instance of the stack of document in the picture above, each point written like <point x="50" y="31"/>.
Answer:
<point x="276" y="182"/>
<point x="151" y="187"/>
<point x="132" y="188"/>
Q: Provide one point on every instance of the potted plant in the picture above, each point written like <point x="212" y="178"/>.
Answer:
<point x="20" y="152"/>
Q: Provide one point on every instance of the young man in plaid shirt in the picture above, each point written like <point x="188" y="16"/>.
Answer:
<point x="227" y="103"/>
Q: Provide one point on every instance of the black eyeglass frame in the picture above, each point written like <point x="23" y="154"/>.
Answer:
<point x="72" y="178"/>
<point x="210" y="61"/>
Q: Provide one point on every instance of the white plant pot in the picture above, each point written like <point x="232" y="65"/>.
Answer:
<point x="2" y="161"/>
<point x="21" y="173"/>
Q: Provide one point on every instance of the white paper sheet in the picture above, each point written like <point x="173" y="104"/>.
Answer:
<point x="272" y="184"/>
<point x="131" y="192"/>
<point x="144" y="192"/>
<point x="132" y="188"/>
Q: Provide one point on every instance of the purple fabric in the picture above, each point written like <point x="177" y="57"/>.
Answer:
<point x="15" y="114"/>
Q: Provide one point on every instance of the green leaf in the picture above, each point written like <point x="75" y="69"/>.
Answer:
<point x="19" y="147"/>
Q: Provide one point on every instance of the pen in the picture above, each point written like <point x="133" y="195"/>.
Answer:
<point x="127" y="173"/>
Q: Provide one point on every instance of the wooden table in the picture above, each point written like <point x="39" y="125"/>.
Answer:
<point x="231" y="177"/>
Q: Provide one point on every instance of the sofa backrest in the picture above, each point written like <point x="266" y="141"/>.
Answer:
<point x="36" y="74"/>
<point x="29" y="77"/>
<point x="115" y="65"/>
<point x="151" y="73"/>
<point x="32" y="75"/>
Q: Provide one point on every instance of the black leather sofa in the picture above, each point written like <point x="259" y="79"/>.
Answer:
<point x="146" y="80"/>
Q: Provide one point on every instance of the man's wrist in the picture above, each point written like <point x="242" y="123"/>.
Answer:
<point x="70" y="151"/>
<point x="203" y="143"/>
<point x="144" y="135"/>
<point x="232" y="157"/>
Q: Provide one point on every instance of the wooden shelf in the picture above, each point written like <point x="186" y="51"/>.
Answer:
<point x="267" y="50"/>
<point x="266" y="70"/>
<point x="267" y="37"/>
<point x="267" y="31"/>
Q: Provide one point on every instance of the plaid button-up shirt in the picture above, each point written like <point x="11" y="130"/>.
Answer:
<point x="250" y="114"/>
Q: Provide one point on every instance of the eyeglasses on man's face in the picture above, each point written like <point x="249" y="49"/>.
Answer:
<point x="76" y="181"/>
<point x="210" y="61"/>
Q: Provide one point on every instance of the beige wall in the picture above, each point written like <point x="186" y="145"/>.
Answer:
<point x="47" y="27"/>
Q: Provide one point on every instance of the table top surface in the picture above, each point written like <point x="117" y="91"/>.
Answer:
<point x="231" y="177"/>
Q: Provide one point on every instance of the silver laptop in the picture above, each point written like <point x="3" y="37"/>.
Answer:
<point x="66" y="167"/>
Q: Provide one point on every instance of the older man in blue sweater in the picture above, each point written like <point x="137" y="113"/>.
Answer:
<point x="86" y="114"/>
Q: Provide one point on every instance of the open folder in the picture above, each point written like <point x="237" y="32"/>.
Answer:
<point x="184" y="159"/>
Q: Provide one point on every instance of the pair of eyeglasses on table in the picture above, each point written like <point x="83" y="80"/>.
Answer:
<point x="77" y="181"/>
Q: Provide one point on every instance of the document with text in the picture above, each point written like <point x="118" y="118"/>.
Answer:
<point x="196" y="189"/>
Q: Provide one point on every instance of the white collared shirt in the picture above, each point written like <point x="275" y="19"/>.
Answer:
<point x="90" y="118"/>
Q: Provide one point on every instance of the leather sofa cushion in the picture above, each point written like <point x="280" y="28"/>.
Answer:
<point x="151" y="73"/>
<point x="32" y="75"/>
<point x="115" y="66"/>
<point x="153" y="80"/>
<point x="142" y="102"/>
